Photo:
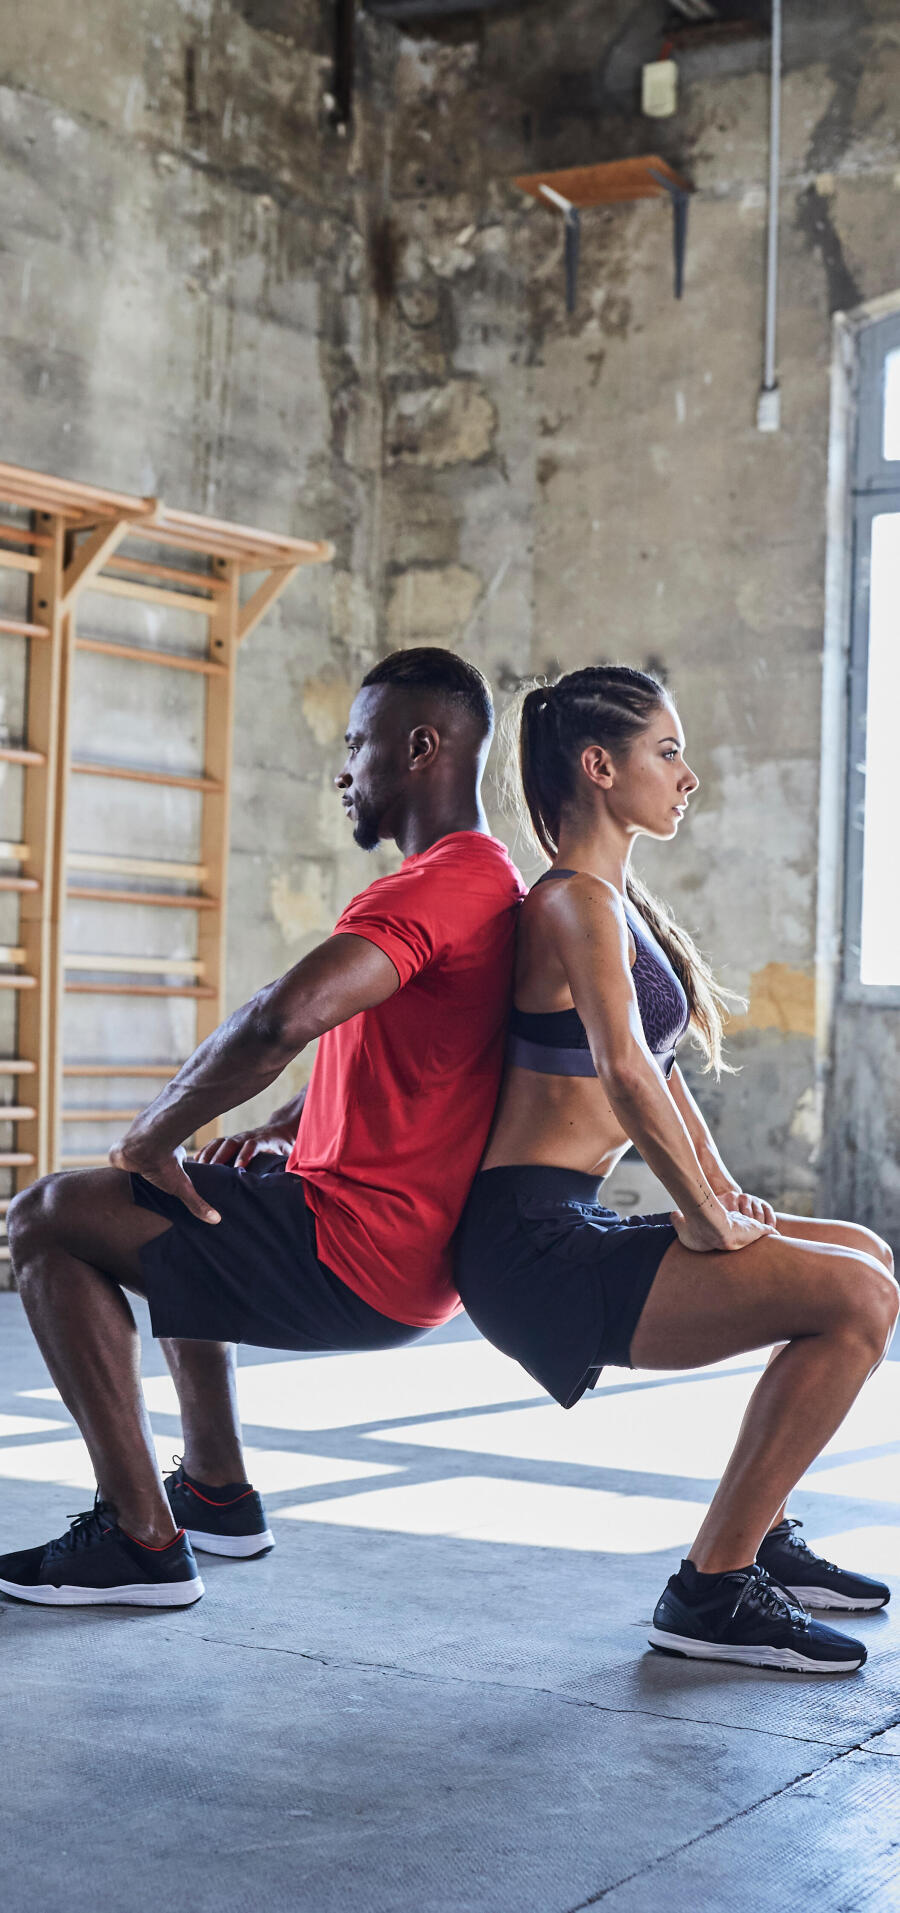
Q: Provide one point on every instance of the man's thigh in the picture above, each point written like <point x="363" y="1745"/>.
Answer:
<point x="90" y="1213"/>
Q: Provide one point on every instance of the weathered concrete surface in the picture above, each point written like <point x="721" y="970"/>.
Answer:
<point x="435" y="1696"/>
<point x="215" y="295"/>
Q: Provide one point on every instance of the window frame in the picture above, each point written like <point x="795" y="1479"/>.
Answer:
<point x="874" y="490"/>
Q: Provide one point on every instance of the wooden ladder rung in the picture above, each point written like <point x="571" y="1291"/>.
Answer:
<point x="17" y="628"/>
<point x="4" y="1205"/>
<point x="18" y="561"/>
<point x="166" y="1070"/>
<point x="137" y="989"/>
<point x="85" y="1162"/>
<point x="153" y="594"/>
<point x="147" y="777"/>
<point x="18" y="754"/>
<point x="205" y="667"/>
<point x="135" y="866"/>
<point x="147" y="568"/>
<point x="131" y="965"/>
<point x="161" y="897"/>
<point x="16" y="1113"/>
<point x="19" y="883"/>
<point x="10" y="955"/>
<point x="16" y="1066"/>
<point x="20" y="535"/>
<point x="96" y="1115"/>
<point x="5" y="1253"/>
<point x="16" y="1159"/>
<point x="15" y="853"/>
<point x="10" y="982"/>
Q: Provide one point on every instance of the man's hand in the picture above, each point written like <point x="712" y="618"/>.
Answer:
<point x="165" y="1172"/>
<point x="239" y="1150"/>
<point x="736" y="1199"/>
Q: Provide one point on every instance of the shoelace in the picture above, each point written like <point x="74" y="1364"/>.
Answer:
<point x="86" y="1527"/>
<point x="175" y="1470"/>
<point x="766" y="1597"/>
<point x="796" y="1543"/>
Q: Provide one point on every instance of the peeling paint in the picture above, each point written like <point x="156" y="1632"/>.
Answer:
<point x="326" y="701"/>
<point x="782" y="999"/>
<point x="301" y="913"/>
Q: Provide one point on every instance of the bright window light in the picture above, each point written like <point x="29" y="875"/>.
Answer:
<point x="880" y="934"/>
<point x="891" y="441"/>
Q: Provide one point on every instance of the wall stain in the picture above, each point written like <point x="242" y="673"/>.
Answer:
<point x="781" y="998"/>
<point x="813" y="219"/>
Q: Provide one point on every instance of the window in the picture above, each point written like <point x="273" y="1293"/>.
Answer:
<point x="872" y="915"/>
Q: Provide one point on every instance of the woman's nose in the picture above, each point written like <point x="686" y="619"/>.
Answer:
<point x="690" y="781"/>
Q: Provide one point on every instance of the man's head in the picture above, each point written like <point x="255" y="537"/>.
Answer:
<point x="417" y="738"/>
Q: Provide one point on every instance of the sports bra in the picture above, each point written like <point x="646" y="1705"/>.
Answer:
<point x="555" y="1043"/>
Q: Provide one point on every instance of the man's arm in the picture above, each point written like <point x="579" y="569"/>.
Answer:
<point x="343" y="976"/>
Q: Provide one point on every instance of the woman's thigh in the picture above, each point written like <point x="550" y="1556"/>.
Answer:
<point x="843" y="1235"/>
<point x="703" y="1308"/>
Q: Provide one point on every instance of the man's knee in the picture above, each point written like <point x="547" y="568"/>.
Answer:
<point x="34" y="1217"/>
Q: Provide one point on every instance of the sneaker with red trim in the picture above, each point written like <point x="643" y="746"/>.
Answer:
<point x="229" y="1520"/>
<point x="98" y="1565"/>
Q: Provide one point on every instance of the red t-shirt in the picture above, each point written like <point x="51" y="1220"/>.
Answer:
<point x="401" y="1097"/>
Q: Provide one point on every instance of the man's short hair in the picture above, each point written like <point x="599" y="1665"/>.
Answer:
<point x="429" y="667"/>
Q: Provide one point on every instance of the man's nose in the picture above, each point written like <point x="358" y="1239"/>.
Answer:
<point x="342" y="779"/>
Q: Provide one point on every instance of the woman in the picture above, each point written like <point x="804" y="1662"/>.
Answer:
<point x="606" y="986"/>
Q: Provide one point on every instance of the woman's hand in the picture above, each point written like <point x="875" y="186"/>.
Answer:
<point x="736" y="1200"/>
<point x="713" y="1227"/>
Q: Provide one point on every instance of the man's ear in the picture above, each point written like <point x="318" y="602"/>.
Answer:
<point x="424" y="744"/>
<point x="597" y="765"/>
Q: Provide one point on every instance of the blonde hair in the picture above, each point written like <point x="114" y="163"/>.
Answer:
<point x="610" y="705"/>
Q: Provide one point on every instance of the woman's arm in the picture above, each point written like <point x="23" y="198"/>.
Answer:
<point x="588" y="922"/>
<point x="726" y="1186"/>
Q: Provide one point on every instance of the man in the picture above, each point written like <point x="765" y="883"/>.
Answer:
<point x="348" y="1247"/>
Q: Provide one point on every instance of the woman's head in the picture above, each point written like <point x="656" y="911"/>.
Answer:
<point x="609" y="737"/>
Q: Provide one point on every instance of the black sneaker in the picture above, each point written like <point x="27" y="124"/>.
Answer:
<point x="98" y="1565"/>
<point x="744" y="1617"/>
<point x="813" y="1580"/>
<point x="219" y="1520"/>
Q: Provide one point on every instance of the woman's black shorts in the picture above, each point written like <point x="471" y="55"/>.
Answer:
<point x="551" y="1277"/>
<point x="255" y="1276"/>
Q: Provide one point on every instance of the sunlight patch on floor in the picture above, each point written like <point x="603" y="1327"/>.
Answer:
<point x="524" y="1513"/>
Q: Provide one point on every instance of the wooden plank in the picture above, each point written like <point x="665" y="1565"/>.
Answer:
<point x="199" y="990"/>
<point x="45" y="490"/>
<point x="144" y="777"/>
<point x="21" y="535"/>
<point x="95" y="1115"/>
<point x="16" y="853"/>
<point x="16" y="1159"/>
<point x="166" y="1070"/>
<point x="18" y="561"/>
<point x="610" y="183"/>
<point x="141" y="655"/>
<point x="89" y="559"/>
<point x="148" y="568"/>
<point x="214" y="836"/>
<point x="19" y="883"/>
<point x="16" y="1112"/>
<point x="18" y="754"/>
<point x="129" y="965"/>
<point x="10" y="982"/>
<point x="54" y="987"/>
<point x="265" y="595"/>
<point x="85" y="1162"/>
<point x="16" y="1066"/>
<point x="134" y="866"/>
<point x="154" y="594"/>
<point x="20" y="628"/>
<point x="160" y="899"/>
<point x="10" y="955"/>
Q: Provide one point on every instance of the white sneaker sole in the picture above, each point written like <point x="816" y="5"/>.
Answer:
<point x="826" y="1597"/>
<point x="785" y="1659"/>
<point x="237" y="1546"/>
<point x="139" y="1594"/>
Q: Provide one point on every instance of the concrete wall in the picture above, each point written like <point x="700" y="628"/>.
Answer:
<point x="216" y="296"/>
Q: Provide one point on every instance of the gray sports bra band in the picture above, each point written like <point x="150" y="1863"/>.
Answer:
<point x="555" y="1043"/>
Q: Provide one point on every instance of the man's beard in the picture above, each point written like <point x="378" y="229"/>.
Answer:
<point x="365" y="830"/>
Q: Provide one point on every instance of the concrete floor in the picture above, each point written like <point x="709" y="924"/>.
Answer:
<point x="435" y="1696"/>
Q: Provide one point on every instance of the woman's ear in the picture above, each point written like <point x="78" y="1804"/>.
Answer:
<point x="597" y="765"/>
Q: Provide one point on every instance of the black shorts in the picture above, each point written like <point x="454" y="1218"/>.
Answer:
<point x="255" y="1276"/>
<point x="551" y="1277"/>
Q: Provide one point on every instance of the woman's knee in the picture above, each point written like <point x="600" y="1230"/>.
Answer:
<point x="866" y="1242"/>
<point x="870" y="1301"/>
